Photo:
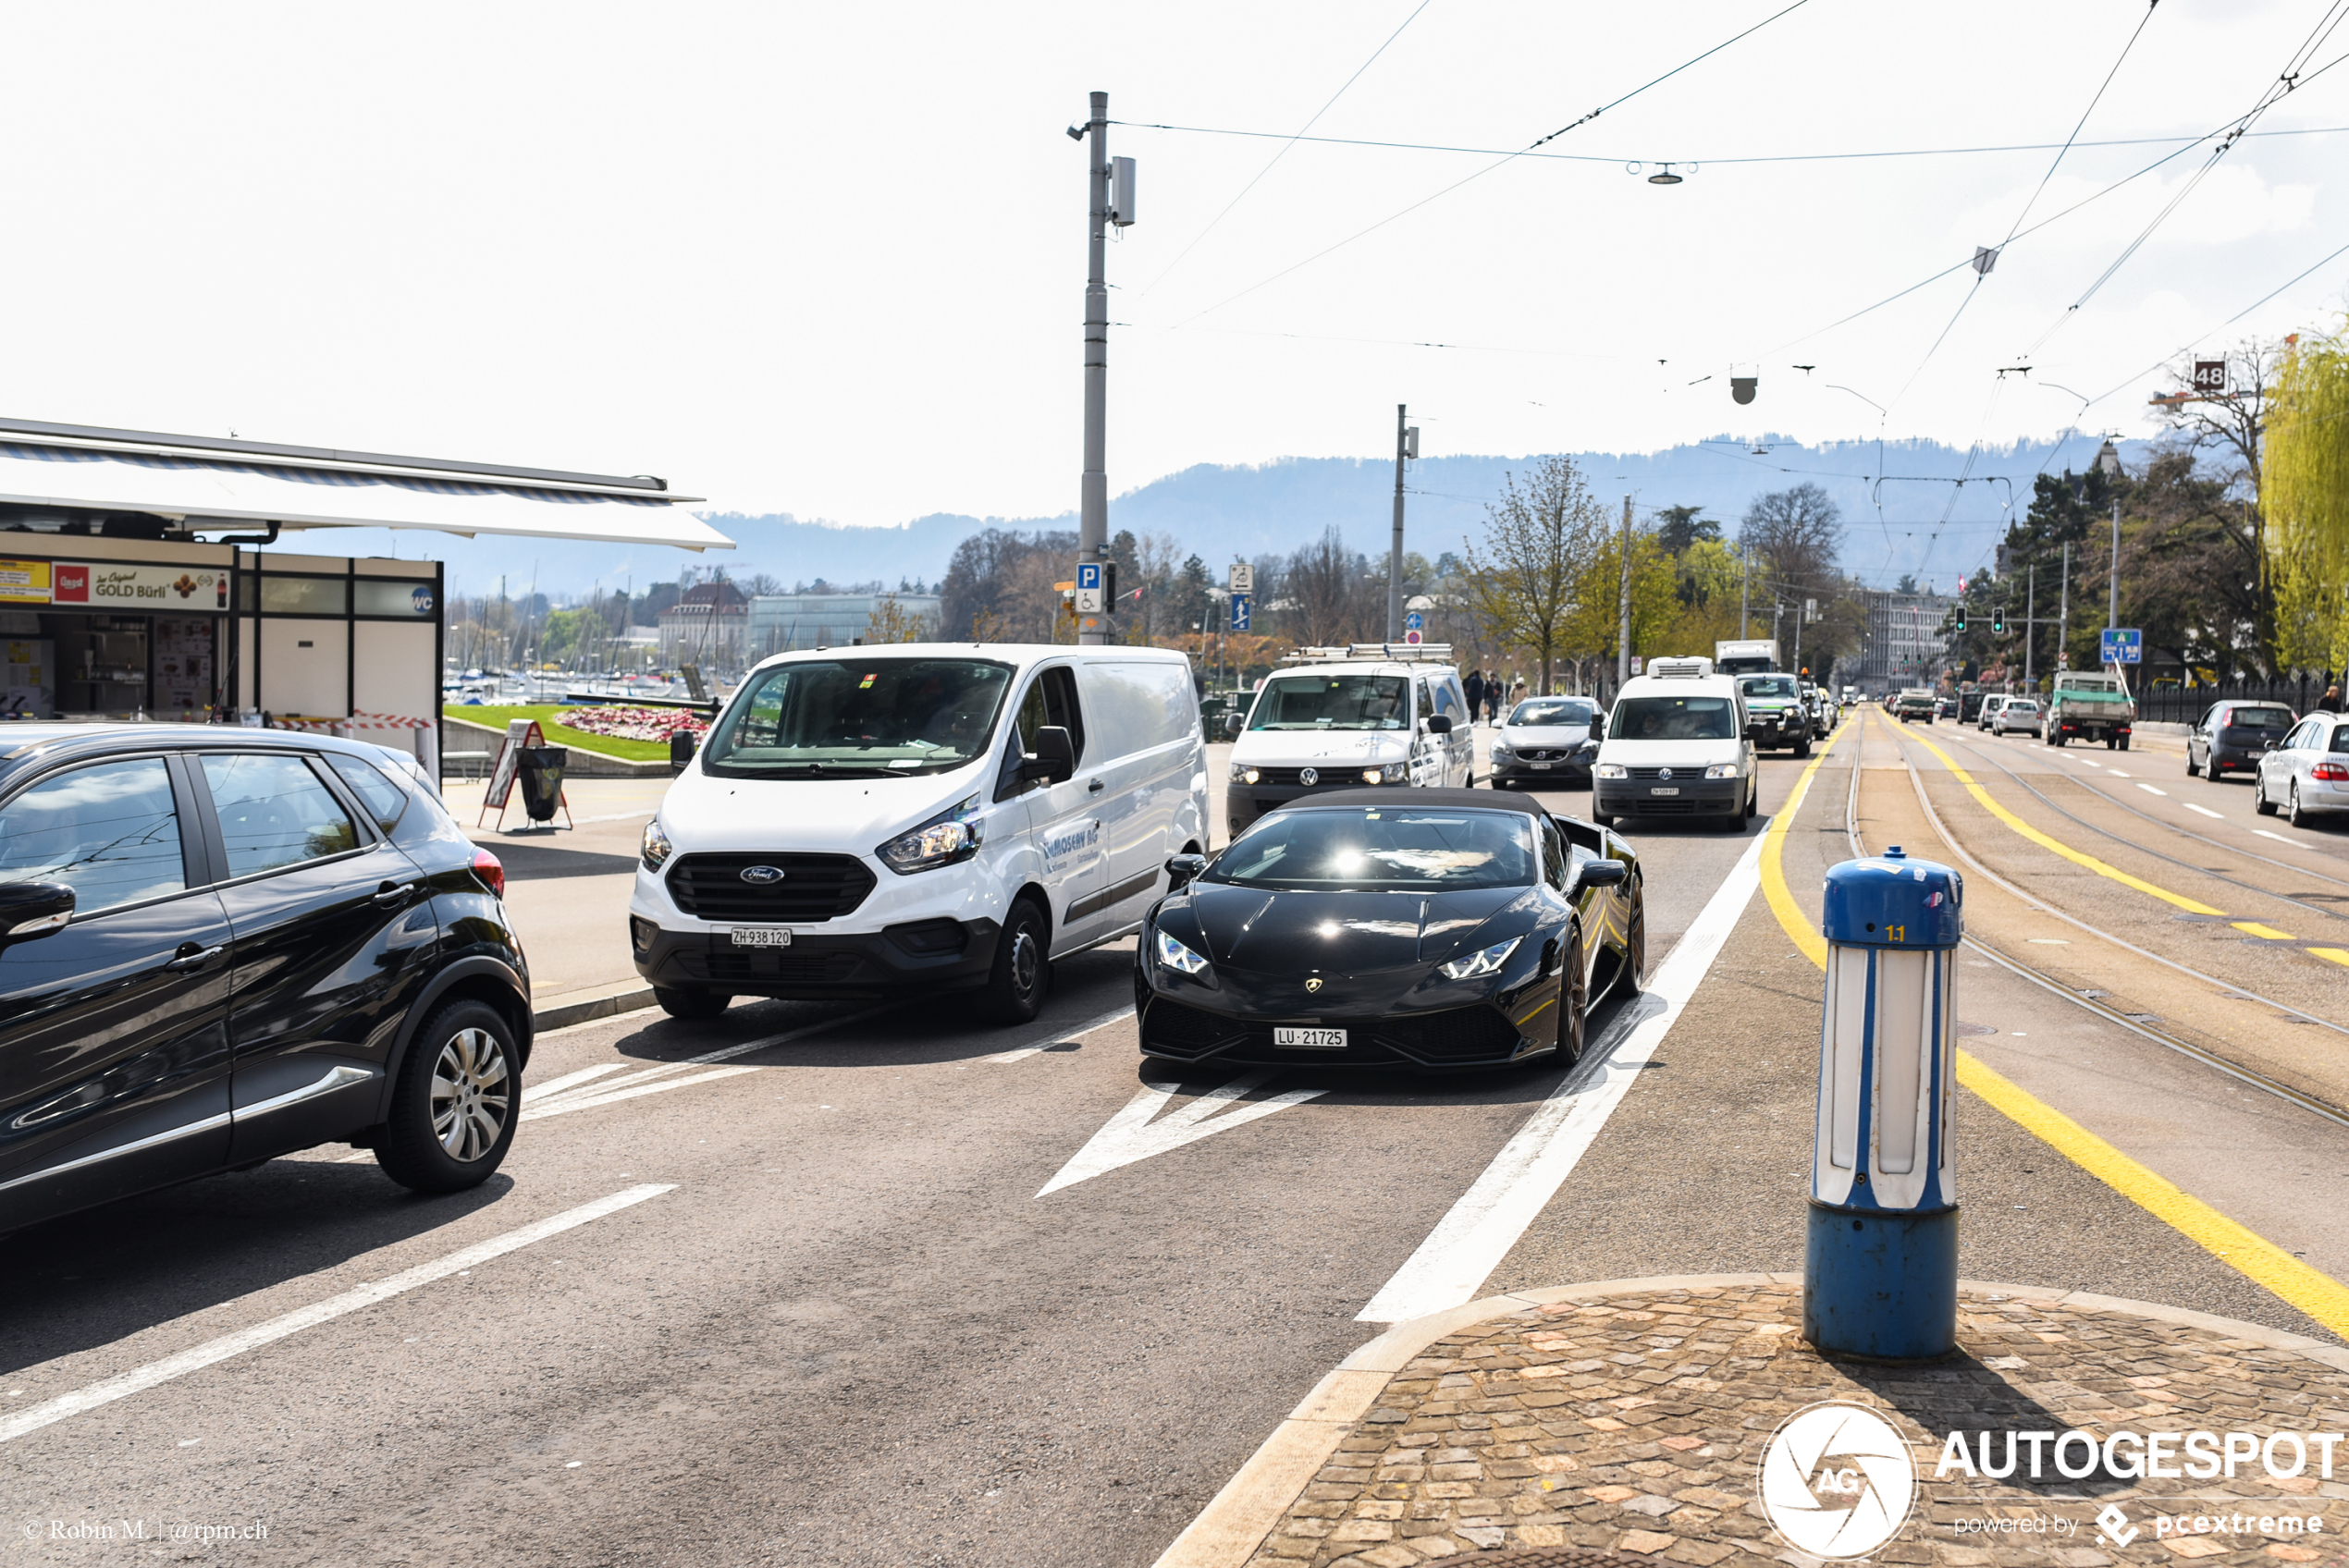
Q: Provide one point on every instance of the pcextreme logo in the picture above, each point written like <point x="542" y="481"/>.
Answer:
<point x="1837" y="1480"/>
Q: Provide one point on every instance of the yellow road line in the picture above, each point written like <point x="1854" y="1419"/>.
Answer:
<point x="1773" y="888"/>
<point x="2251" y="1254"/>
<point x="2067" y="852"/>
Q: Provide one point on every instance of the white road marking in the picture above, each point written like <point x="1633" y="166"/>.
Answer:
<point x="1020" y="1055"/>
<point x="2204" y="810"/>
<point x="2149" y="788"/>
<point x="637" y="1090"/>
<point x="2118" y="774"/>
<point x="1467" y="1244"/>
<point x="1131" y="1136"/>
<point x="532" y="1092"/>
<point x="2276" y="837"/>
<point x="141" y="1378"/>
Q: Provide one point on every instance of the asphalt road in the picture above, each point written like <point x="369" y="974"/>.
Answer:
<point x="840" y="1319"/>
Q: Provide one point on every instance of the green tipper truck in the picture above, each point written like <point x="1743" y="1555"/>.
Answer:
<point x="2090" y="705"/>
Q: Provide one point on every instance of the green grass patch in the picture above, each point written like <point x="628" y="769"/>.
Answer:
<point x="560" y="734"/>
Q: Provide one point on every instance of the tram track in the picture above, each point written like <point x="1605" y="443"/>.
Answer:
<point x="1975" y="750"/>
<point x="2144" y="1027"/>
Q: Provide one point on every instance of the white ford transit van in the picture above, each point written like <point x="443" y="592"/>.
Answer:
<point x="1343" y="718"/>
<point x="1676" y="745"/>
<point x="860" y="822"/>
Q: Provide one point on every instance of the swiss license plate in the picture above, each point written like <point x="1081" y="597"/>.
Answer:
<point x="1310" y="1039"/>
<point x="760" y="936"/>
<point x="1541" y="768"/>
<point x="1665" y="789"/>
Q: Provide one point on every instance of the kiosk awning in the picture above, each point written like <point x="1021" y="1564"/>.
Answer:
<point x="201" y="484"/>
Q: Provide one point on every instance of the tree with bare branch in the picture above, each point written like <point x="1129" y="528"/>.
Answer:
<point x="1522" y="584"/>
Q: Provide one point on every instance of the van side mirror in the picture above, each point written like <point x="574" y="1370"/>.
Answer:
<point x="1054" y="758"/>
<point x="1598" y="726"/>
<point x="681" y="746"/>
<point x="33" y="909"/>
<point x="1439" y="724"/>
<point x="1183" y="870"/>
<point x="1600" y="872"/>
<point x="1234" y="723"/>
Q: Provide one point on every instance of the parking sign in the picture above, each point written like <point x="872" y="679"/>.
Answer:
<point x="2121" y="644"/>
<point x="1089" y="588"/>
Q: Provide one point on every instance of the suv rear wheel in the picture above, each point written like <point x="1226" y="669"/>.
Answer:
<point x="455" y="1105"/>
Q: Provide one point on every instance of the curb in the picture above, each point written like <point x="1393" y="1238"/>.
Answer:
<point x="607" y="1003"/>
<point x="1235" y="1521"/>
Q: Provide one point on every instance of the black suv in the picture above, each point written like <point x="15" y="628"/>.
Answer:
<point x="222" y="945"/>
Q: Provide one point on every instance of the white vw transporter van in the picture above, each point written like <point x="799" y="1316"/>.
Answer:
<point x="867" y="821"/>
<point x="1339" y="718"/>
<point x="1676" y="745"/>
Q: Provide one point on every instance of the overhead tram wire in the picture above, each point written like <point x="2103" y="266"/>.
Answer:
<point x="2287" y="82"/>
<point x="1488" y="168"/>
<point x="1982" y="271"/>
<point x="2222" y="326"/>
<point x="1283" y="153"/>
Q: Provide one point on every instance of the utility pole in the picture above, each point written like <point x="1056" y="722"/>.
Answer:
<point x="1623" y="652"/>
<point x="2063" y="614"/>
<point x="1405" y="445"/>
<point x="1745" y="592"/>
<point x="2112" y="601"/>
<point x="2031" y="628"/>
<point x="1092" y="528"/>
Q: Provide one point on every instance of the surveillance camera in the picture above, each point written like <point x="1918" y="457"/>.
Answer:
<point x="1077" y="133"/>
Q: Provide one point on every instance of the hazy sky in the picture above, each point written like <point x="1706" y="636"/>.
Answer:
<point x="829" y="259"/>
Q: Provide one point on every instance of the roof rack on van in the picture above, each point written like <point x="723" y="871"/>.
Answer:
<point x="1680" y="669"/>
<point x="1401" y="652"/>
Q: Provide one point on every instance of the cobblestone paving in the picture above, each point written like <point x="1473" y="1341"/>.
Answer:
<point x="1637" y="1424"/>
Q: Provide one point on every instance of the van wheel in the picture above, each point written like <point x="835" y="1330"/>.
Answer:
<point x="453" y="1108"/>
<point x="1022" y="976"/>
<point x="685" y="1004"/>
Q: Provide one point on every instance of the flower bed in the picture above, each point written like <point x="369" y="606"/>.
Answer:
<point x="633" y="724"/>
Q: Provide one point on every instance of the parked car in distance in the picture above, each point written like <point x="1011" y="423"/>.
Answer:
<point x="2308" y="771"/>
<point x="1428" y="929"/>
<point x="224" y="944"/>
<point x="2017" y="715"/>
<point x="1944" y="707"/>
<point x="1991" y="703"/>
<point x="2234" y="736"/>
<point x="1546" y="740"/>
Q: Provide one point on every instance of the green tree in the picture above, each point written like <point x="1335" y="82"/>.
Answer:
<point x="2307" y="500"/>
<point x="1676" y="528"/>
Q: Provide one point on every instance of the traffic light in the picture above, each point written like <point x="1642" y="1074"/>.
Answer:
<point x="1998" y="619"/>
<point x="1960" y="613"/>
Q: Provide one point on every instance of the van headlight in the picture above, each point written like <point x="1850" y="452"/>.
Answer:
<point x="657" y="848"/>
<point x="1243" y="773"/>
<point x="1608" y="770"/>
<point x="1174" y="955"/>
<point x="1392" y="773"/>
<point x="1721" y="770"/>
<point x="1485" y="960"/>
<point x="953" y="835"/>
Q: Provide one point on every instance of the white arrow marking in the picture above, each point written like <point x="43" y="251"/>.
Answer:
<point x="1131" y="1136"/>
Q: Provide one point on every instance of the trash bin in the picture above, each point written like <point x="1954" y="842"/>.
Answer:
<point x="540" y="771"/>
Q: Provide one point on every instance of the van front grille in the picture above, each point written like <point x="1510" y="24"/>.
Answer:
<point x="710" y="887"/>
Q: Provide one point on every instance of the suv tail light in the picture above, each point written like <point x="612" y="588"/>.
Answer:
<point x="2330" y="772"/>
<point x="491" y="870"/>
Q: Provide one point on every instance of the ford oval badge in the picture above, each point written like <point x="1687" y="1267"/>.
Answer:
<point x="762" y="876"/>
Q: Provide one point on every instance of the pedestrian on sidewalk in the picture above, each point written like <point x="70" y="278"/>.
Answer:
<point x="2331" y="700"/>
<point x="1475" y="686"/>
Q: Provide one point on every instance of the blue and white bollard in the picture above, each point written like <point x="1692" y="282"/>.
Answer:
<point x="1880" y="1271"/>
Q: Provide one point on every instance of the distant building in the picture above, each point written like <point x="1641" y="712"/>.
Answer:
<point x="780" y="622"/>
<point x="707" y="625"/>
<point x="1905" y="645"/>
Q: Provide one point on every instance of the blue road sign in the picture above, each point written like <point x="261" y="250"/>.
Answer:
<point x="2121" y="644"/>
<point x="1089" y="575"/>
<point x="1239" y="612"/>
<point x="1415" y="622"/>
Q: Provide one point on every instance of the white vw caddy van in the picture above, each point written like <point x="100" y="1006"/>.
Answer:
<point x="860" y="822"/>
<point x="1339" y="718"/>
<point x="1676" y="745"/>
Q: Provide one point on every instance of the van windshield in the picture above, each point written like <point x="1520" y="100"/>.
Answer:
<point x="1330" y="702"/>
<point x="1673" y="718"/>
<point x="859" y="718"/>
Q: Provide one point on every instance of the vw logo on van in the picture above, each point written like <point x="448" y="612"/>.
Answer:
<point x="762" y="876"/>
<point x="1310" y="775"/>
<point x="1660" y="773"/>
